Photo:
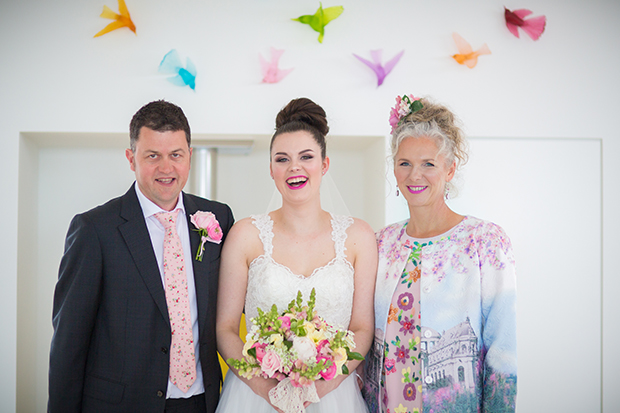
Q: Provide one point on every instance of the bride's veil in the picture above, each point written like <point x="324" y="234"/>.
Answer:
<point x="331" y="200"/>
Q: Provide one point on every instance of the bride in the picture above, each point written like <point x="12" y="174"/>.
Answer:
<point x="267" y="259"/>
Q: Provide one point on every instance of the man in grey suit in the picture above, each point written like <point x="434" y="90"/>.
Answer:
<point x="112" y="344"/>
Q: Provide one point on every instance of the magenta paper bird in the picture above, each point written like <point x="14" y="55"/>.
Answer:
<point x="380" y="70"/>
<point x="534" y="26"/>
<point x="271" y="72"/>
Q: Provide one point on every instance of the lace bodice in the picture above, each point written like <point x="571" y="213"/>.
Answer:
<point x="272" y="283"/>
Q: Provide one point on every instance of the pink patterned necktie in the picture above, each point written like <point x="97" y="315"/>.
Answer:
<point x="182" y="357"/>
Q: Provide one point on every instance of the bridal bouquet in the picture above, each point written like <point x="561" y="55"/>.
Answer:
<point x="296" y="347"/>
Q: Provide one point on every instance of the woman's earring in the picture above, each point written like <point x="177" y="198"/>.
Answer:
<point x="397" y="192"/>
<point x="447" y="192"/>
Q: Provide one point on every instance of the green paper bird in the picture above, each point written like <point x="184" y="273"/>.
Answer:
<point x="321" y="18"/>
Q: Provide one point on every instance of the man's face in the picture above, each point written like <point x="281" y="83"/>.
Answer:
<point x="161" y="162"/>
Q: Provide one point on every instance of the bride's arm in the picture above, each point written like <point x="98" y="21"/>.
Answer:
<point x="362" y="253"/>
<point x="241" y="246"/>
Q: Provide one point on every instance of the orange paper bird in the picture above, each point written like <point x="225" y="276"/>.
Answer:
<point x="120" y="20"/>
<point x="466" y="55"/>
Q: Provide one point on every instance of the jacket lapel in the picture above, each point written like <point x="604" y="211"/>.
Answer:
<point x="201" y="268"/>
<point x="397" y="267"/>
<point x="138" y="241"/>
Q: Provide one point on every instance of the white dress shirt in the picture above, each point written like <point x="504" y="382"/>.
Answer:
<point x="156" y="232"/>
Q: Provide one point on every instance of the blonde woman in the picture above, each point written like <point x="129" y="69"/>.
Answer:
<point x="445" y="336"/>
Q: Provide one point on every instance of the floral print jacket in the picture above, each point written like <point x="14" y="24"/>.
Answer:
<point x="467" y="313"/>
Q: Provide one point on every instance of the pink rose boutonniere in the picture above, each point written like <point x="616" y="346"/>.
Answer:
<point x="208" y="228"/>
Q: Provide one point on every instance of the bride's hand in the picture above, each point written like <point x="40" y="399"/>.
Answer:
<point x="261" y="387"/>
<point x="325" y="386"/>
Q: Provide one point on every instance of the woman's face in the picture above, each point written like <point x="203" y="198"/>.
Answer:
<point x="296" y="165"/>
<point x="421" y="172"/>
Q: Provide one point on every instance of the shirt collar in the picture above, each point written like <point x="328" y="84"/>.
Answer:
<point x="149" y="208"/>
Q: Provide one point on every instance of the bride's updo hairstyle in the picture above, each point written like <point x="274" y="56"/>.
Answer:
<point x="303" y="115"/>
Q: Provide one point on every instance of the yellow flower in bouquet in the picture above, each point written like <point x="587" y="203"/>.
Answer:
<point x="317" y="336"/>
<point x="340" y="357"/>
<point x="309" y="327"/>
<point x="277" y="340"/>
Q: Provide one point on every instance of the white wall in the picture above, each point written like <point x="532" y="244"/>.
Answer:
<point x="530" y="191"/>
<point x="55" y="77"/>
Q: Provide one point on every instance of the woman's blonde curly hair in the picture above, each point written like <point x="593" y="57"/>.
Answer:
<point x="437" y="122"/>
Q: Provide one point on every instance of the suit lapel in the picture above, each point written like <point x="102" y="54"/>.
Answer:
<point x="138" y="241"/>
<point x="201" y="268"/>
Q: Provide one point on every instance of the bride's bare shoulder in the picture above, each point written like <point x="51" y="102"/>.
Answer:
<point x="360" y="237"/>
<point x="244" y="237"/>
<point x="360" y="229"/>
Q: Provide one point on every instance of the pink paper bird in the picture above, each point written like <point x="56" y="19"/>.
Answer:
<point x="534" y="26"/>
<point x="271" y="72"/>
<point x="466" y="55"/>
<point x="380" y="70"/>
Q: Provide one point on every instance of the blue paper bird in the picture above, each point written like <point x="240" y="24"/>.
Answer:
<point x="171" y="64"/>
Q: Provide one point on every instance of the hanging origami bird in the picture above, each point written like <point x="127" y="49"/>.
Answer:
<point x="120" y="20"/>
<point x="321" y="18"/>
<point x="171" y="63"/>
<point x="380" y="70"/>
<point x="534" y="26"/>
<point x="466" y="55"/>
<point x="271" y="72"/>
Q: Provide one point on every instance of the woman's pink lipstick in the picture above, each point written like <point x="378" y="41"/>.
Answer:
<point x="417" y="189"/>
<point x="297" y="182"/>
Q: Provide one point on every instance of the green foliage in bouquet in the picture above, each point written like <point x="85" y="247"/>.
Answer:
<point x="297" y="344"/>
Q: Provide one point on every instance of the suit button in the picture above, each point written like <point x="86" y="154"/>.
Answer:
<point x="164" y="350"/>
<point x="160" y="393"/>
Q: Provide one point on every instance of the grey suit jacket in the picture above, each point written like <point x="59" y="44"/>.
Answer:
<point x="109" y="351"/>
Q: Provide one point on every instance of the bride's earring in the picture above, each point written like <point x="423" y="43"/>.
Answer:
<point x="397" y="192"/>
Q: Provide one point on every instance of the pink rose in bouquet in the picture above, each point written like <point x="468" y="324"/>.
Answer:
<point x="305" y="348"/>
<point x="330" y="372"/>
<point x="260" y="351"/>
<point x="271" y="363"/>
<point x="286" y="322"/>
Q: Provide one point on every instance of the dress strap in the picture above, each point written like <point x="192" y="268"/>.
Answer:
<point x="265" y="231"/>
<point x="340" y="223"/>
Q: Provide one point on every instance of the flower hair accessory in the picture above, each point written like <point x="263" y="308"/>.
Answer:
<point x="405" y="105"/>
<point x="208" y="228"/>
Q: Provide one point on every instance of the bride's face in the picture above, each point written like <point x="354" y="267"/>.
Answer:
<point x="296" y="165"/>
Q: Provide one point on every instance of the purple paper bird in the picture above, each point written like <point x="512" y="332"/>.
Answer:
<point x="271" y="72"/>
<point x="380" y="70"/>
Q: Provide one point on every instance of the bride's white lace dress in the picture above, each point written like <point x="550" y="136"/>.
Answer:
<point x="272" y="283"/>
